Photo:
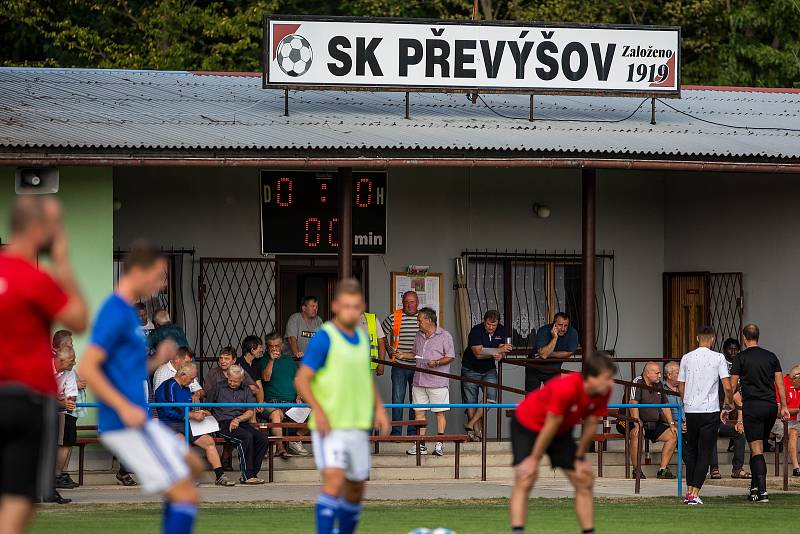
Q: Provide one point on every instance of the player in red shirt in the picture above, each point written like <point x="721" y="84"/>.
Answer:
<point x="543" y="423"/>
<point x="30" y="301"/>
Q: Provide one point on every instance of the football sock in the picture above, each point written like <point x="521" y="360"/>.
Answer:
<point x="761" y="480"/>
<point x="179" y="517"/>
<point x="349" y="513"/>
<point x="325" y="512"/>
<point x="517" y="530"/>
<point x="588" y="531"/>
<point x="753" y="475"/>
<point x="219" y="471"/>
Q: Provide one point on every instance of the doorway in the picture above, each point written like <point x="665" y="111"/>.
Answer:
<point x="696" y="299"/>
<point x="303" y="276"/>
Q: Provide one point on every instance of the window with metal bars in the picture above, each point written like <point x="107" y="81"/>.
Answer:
<point x="528" y="288"/>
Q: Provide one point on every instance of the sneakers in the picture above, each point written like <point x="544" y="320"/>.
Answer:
<point x="253" y="481"/>
<point x="64" y="481"/>
<point x="223" y="480"/>
<point x="295" y="447"/>
<point x="641" y="474"/>
<point x="693" y="500"/>
<point x="796" y="472"/>
<point x="438" y="450"/>
<point x="126" y="479"/>
<point x="423" y="450"/>
<point x="665" y="474"/>
<point x="764" y="497"/>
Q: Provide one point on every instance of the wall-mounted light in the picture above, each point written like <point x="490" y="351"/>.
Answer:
<point x="117" y="204"/>
<point x="541" y="211"/>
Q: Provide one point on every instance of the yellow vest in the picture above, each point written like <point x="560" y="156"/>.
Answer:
<point x="372" y="330"/>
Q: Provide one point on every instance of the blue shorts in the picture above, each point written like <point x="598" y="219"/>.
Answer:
<point x="471" y="393"/>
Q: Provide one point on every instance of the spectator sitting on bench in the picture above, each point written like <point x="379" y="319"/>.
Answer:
<point x="791" y="383"/>
<point x="168" y="370"/>
<point x="234" y="424"/>
<point x="218" y="377"/>
<point x="658" y="423"/>
<point x="278" y="370"/>
<point x="176" y="390"/>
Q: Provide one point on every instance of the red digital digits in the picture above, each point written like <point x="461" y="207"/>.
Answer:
<point x="284" y="197"/>
<point x="323" y="192"/>
<point x="333" y="232"/>
<point x="313" y="226"/>
<point x="360" y="202"/>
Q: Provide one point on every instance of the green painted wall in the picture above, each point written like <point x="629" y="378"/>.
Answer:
<point x="87" y="195"/>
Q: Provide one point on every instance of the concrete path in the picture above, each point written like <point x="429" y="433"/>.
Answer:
<point x="382" y="490"/>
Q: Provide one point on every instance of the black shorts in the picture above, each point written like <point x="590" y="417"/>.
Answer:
<point x="653" y="431"/>
<point x="27" y="443"/>
<point x="758" y="418"/>
<point x="561" y="450"/>
<point x="67" y="430"/>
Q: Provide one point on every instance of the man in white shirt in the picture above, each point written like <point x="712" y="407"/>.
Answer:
<point x="170" y="369"/>
<point x="698" y="382"/>
<point x="63" y="363"/>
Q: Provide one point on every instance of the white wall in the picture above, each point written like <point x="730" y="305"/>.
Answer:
<point x="434" y="214"/>
<point x="748" y="223"/>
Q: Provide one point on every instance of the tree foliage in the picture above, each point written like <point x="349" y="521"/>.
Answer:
<point x="725" y="42"/>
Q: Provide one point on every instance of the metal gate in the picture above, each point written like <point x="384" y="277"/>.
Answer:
<point x="238" y="297"/>
<point x="726" y="305"/>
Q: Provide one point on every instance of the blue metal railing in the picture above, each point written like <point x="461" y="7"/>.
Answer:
<point x="188" y="405"/>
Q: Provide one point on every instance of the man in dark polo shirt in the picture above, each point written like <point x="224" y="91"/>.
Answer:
<point x="235" y="424"/>
<point x="252" y="352"/>
<point x="658" y="423"/>
<point x="485" y="344"/>
<point x="555" y="342"/>
<point x="760" y="373"/>
<point x="31" y="300"/>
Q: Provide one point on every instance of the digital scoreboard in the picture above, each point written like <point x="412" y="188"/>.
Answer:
<point x="300" y="212"/>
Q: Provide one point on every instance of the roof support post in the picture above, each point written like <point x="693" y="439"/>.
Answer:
<point x="285" y="102"/>
<point x="345" y="222"/>
<point x="408" y="105"/>
<point x="530" y="114"/>
<point x="589" y="194"/>
<point x="653" y="110"/>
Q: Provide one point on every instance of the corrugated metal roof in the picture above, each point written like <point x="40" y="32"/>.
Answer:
<point x="155" y="110"/>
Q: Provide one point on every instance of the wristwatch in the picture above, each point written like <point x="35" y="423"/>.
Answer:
<point x="580" y="457"/>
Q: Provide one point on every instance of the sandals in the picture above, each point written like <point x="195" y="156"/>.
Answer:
<point x="284" y="454"/>
<point x="472" y="434"/>
<point x="740" y="473"/>
<point x="715" y="474"/>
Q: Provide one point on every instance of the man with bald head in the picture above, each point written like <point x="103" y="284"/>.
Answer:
<point x="657" y="422"/>
<point x="31" y="300"/>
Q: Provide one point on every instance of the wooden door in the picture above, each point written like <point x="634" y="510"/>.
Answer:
<point x="686" y="309"/>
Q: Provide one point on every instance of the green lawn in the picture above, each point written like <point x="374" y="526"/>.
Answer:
<point x="653" y="516"/>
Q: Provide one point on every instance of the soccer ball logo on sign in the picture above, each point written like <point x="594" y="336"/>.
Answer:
<point x="294" y="55"/>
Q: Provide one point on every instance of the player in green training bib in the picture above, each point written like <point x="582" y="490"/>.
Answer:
<point x="335" y="379"/>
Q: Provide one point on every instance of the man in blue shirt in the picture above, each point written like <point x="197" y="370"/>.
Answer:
<point x="555" y="342"/>
<point x="486" y="343"/>
<point x="115" y="367"/>
<point x="176" y="390"/>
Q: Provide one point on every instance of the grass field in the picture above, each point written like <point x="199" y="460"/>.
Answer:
<point x="667" y="516"/>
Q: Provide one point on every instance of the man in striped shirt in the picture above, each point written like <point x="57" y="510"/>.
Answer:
<point x="401" y="330"/>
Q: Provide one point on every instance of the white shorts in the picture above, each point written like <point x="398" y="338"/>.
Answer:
<point x="423" y="395"/>
<point x="343" y="449"/>
<point x="155" y="454"/>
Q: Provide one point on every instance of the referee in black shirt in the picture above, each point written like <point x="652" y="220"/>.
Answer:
<point x="760" y="373"/>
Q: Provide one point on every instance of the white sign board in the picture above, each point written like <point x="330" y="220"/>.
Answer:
<point x="409" y="54"/>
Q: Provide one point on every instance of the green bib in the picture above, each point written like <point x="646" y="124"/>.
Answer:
<point x="343" y="386"/>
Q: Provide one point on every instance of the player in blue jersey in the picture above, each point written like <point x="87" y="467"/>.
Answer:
<point x="115" y="366"/>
